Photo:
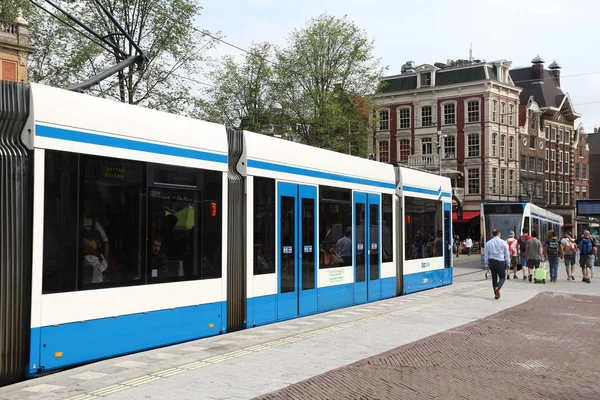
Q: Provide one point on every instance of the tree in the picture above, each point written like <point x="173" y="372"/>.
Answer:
<point x="324" y="80"/>
<point x="162" y="28"/>
<point x="9" y="9"/>
<point x="242" y="93"/>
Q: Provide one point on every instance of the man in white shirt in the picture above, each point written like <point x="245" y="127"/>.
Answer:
<point x="497" y="259"/>
<point x="469" y="244"/>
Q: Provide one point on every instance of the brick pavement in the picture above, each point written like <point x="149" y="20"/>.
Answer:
<point x="544" y="348"/>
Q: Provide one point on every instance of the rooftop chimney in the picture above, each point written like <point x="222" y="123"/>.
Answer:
<point x="537" y="70"/>
<point x="555" y="71"/>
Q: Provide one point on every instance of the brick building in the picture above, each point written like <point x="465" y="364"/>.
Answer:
<point x="555" y="135"/>
<point x="593" y="142"/>
<point x="14" y="50"/>
<point x="463" y="114"/>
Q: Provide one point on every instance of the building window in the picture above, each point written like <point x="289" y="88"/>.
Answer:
<point x="502" y="113"/>
<point x="567" y="137"/>
<point x="494" y="110"/>
<point x="335" y="216"/>
<point x="384" y="151"/>
<point x="560" y="136"/>
<point x="450" y="147"/>
<point x="511" y="181"/>
<point x="583" y="171"/>
<point x="423" y="228"/>
<point x="404" y="149"/>
<point x="473" y="145"/>
<point x="426" y="116"/>
<point x="473" y="180"/>
<point x="532" y="142"/>
<point x="538" y="190"/>
<point x="494" y="143"/>
<point x="533" y="123"/>
<point x="426" y="79"/>
<point x="264" y="226"/>
<point x="502" y="181"/>
<point x="567" y="167"/>
<point x="523" y="163"/>
<point x="560" y="158"/>
<point x="547" y="132"/>
<point x="580" y="151"/>
<point x="494" y="179"/>
<point x="553" y="160"/>
<point x="511" y="148"/>
<point x="449" y="114"/>
<point x="547" y="161"/>
<point x="426" y="146"/>
<point x="503" y="146"/>
<point x="532" y="164"/>
<point x="553" y="134"/>
<point x="473" y="111"/>
<point x="511" y="114"/>
<point x="540" y="166"/>
<point x="577" y="174"/>
<point x="567" y="193"/>
<point x="404" y="118"/>
<point x="384" y="120"/>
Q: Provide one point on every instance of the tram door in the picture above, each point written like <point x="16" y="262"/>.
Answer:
<point x="297" y="258"/>
<point x="367" y="245"/>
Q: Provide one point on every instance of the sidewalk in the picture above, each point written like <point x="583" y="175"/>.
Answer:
<point x="520" y="353"/>
<point x="250" y="363"/>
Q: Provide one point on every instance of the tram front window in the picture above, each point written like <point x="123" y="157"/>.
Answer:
<point x="505" y="223"/>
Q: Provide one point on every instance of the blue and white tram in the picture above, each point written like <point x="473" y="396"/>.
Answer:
<point x="516" y="216"/>
<point x="125" y="229"/>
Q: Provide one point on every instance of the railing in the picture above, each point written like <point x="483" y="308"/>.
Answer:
<point x="12" y="28"/>
<point x="424" y="160"/>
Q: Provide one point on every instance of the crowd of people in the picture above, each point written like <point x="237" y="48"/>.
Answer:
<point x="527" y="253"/>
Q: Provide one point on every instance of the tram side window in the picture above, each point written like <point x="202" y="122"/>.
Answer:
<point x="423" y="228"/>
<point x="535" y="226"/>
<point x="335" y="227"/>
<point x="387" y="205"/>
<point x="60" y="222"/>
<point x="184" y="223"/>
<point x="264" y="226"/>
<point x="111" y="203"/>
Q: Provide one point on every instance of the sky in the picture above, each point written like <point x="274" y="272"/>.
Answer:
<point x="438" y="30"/>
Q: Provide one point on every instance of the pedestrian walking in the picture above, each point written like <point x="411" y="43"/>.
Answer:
<point x="512" y="250"/>
<point x="553" y="251"/>
<point x="587" y="248"/>
<point x="533" y="248"/>
<point x="522" y="246"/>
<point x="569" y="254"/>
<point x="469" y="245"/>
<point x="497" y="259"/>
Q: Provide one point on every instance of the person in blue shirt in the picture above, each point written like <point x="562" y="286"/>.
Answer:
<point x="497" y="259"/>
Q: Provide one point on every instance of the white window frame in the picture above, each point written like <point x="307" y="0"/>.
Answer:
<point x="381" y="121"/>
<point x="503" y="146"/>
<point x="502" y="112"/>
<point x="469" y="145"/>
<point x="494" y="180"/>
<point x="494" y="143"/>
<point x="423" y="116"/>
<point x="511" y="114"/>
<point x="379" y="143"/>
<point x="472" y="116"/>
<point x="446" y="146"/>
<point x="511" y="147"/>
<point x="403" y="120"/>
<point x="494" y="110"/>
<point x="547" y="167"/>
<point x="511" y="181"/>
<point x="400" y="149"/>
<point x="443" y="108"/>
<point x="502" y="181"/>
<point x="567" y="197"/>
<point x="478" y="169"/>
<point x="426" y="141"/>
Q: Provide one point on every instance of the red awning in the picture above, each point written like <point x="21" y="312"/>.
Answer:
<point x="467" y="216"/>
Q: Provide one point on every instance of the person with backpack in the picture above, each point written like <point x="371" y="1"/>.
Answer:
<point x="569" y="252"/>
<point x="512" y="249"/>
<point x="553" y="252"/>
<point x="587" y="248"/>
<point x="522" y="245"/>
<point x="534" y="250"/>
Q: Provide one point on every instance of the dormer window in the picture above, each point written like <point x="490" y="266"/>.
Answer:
<point x="425" y="79"/>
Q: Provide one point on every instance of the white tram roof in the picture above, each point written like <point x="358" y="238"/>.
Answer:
<point x="423" y="184"/>
<point x="70" y="121"/>
<point x="277" y="158"/>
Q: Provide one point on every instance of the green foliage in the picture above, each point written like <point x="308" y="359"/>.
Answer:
<point x="9" y="9"/>
<point x="242" y="95"/>
<point x="162" y="28"/>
